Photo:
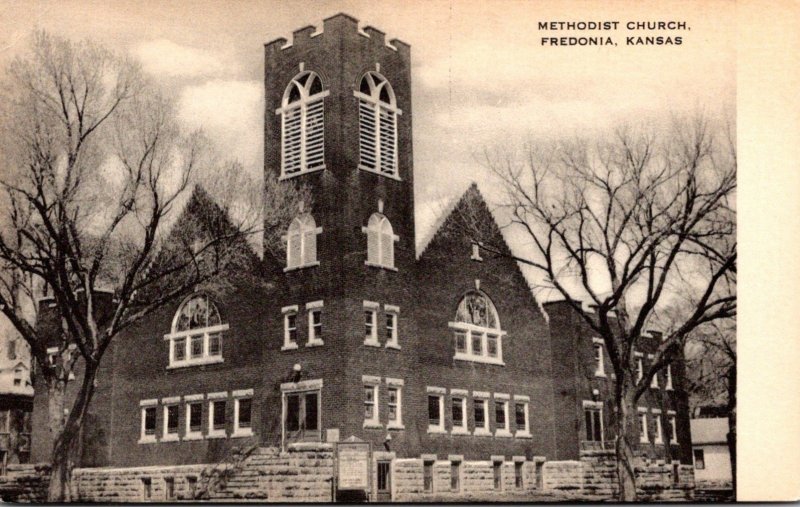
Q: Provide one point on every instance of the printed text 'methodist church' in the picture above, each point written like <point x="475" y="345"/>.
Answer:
<point x="442" y="353"/>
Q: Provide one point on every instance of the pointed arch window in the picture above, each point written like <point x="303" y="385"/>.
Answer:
<point x="377" y="125"/>
<point x="302" y="125"/>
<point x="476" y="329"/>
<point x="301" y="243"/>
<point x="196" y="336"/>
<point x="380" y="242"/>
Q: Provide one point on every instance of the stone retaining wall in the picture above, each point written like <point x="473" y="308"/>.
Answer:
<point x="594" y="477"/>
<point x="24" y="483"/>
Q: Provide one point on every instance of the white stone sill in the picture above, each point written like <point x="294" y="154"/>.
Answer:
<point x="390" y="345"/>
<point x="481" y="433"/>
<point x="291" y="346"/>
<point x="193" y="436"/>
<point x="503" y="434"/>
<point x="196" y="362"/>
<point x="315" y="343"/>
<point x="371" y="343"/>
<point x="301" y="266"/>
<point x="460" y="431"/>
<point x="171" y="438"/>
<point x="372" y="425"/>
<point x="600" y="374"/>
<point x="523" y="434"/>
<point x="217" y="435"/>
<point x="478" y="359"/>
<point x="284" y="177"/>
<point x="380" y="266"/>
<point x="436" y="431"/>
<point x="148" y="440"/>
<point x="379" y="173"/>
<point x="246" y="432"/>
<point x="395" y="427"/>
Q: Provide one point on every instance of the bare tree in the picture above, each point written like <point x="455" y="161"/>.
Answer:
<point x="95" y="181"/>
<point x="625" y="224"/>
<point x="712" y="374"/>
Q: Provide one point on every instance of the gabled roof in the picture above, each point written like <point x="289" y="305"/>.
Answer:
<point x="709" y="431"/>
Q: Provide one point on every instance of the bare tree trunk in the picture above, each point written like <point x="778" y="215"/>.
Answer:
<point x="67" y="442"/>
<point x="625" y="426"/>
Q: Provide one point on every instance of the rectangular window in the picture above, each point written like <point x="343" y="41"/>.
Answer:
<point x="215" y="344"/>
<point x="370" y="334"/>
<point x="491" y="345"/>
<point x="521" y="417"/>
<point x="196" y="346"/>
<point x="171" y="420"/>
<point x="497" y="473"/>
<point x="195" y="417"/>
<point x="699" y="459"/>
<point x="659" y="435"/>
<point x="599" y="360"/>
<point x="371" y="405"/>
<point x="435" y="419"/>
<point x="455" y="476"/>
<point x="668" y="385"/>
<point x="479" y="409"/>
<point x="518" y="474"/>
<point x="149" y="422"/>
<point x="384" y="476"/>
<point x="477" y="343"/>
<point x="461" y="342"/>
<point x="244" y="414"/>
<point x="179" y="345"/>
<point x="593" y="419"/>
<point x="315" y="326"/>
<point x="218" y="418"/>
<point x="147" y="489"/>
<point x="643" y="437"/>
<point x="169" y="488"/>
<point x="391" y="328"/>
<point x="191" y="482"/>
<point x="394" y="406"/>
<point x="12" y="349"/>
<point x="639" y="369"/>
<point x="427" y="476"/>
<point x="673" y="429"/>
<point x="459" y="421"/>
<point x="290" y="329"/>
<point x="501" y="416"/>
<point x="654" y="380"/>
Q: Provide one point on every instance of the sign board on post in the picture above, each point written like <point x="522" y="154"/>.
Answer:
<point x="353" y="470"/>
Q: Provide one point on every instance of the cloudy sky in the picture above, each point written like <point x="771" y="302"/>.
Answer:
<point x="480" y="74"/>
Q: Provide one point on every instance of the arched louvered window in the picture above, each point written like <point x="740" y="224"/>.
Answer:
<point x="301" y="242"/>
<point x="380" y="241"/>
<point x="478" y="336"/>
<point x="196" y="336"/>
<point x="377" y="125"/>
<point x="302" y="125"/>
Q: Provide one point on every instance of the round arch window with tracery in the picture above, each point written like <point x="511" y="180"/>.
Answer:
<point x="476" y="328"/>
<point x="196" y="336"/>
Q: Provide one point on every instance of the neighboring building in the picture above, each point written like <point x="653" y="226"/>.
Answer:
<point x="444" y="353"/>
<point x="710" y="452"/>
<point x="16" y="397"/>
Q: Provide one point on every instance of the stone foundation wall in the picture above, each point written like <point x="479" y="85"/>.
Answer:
<point x="24" y="483"/>
<point x="594" y="477"/>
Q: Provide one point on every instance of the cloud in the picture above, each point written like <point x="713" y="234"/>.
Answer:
<point x="163" y="57"/>
<point x="231" y="114"/>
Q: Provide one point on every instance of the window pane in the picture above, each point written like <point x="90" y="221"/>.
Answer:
<point x="369" y="402"/>
<point x="387" y="250"/>
<point x="491" y="345"/>
<point x="500" y="413"/>
<point x="368" y="323"/>
<point x="149" y="421"/>
<point x="215" y="344"/>
<point x="292" y="412"/>
<point x="219" y="415"/>
<point x="480" y="414"/>
<point x="461" y="342"/>
<point x="309" y="246"/>
<point x="458" y="412"/>
<point x="195" y="416"/>
<point x="434" y="417"/>
<point x="519" y="415"/>
<point x="172" y="419"/>
<point x="312" y="411"/>
<point x="180" y="349"/>
<point x="477" y="344"/>
<point x="197" y="346"/>
<point x="245" y="412"/>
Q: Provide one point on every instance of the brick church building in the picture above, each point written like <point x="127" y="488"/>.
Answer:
<point x="440" y="352"/>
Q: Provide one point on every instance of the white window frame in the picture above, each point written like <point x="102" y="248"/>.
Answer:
<point x="600" y="362"/>
<point x="144" y="406"/>
<point x="476" y="253"/>
<point x="469" y="329"/>
<point x="376" y="227"/>
<point x="312" y="308"/>
<point x="167" y="403"/>
<point x="668" y="385"/>
<point x="303" y="103"/>
<point x="654" y="381"/>
<point x="371" y="307"/>
<point x="216" y="433"/>
<point x="238" y="396"/>
<point x="644" y="431"/>
<point x="504" y="431"/>
<point x="596" y="406"/>
<point x="524" y="400"/>
<point x="206" y="332"/>
<point x="373" y="383"/>
<point x="301" y="227"/>
<point x="481" y="398"/>
<point x="373" y="101"/>
<point x="189" y="401"/>
<point x="673" y="422"/>
<point x="639" y="366"/>
<point x="461" y="395"/>
<point x="395" y="383"/>
<point x="392" y="334"/>
<point x="288" y="343"/>
<point x="659" y="439"/>
<point x="438" y="392"/>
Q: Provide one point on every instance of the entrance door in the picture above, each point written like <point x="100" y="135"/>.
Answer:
<point x="301" y="422"/>
<point x="384" y="481"/>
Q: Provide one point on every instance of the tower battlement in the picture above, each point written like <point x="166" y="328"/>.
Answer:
<point x="339" y="24"/>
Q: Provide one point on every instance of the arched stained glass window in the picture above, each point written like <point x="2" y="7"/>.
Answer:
<point x="196" y="336"/>
<point x="302" y="125"/>
<point x="476" y="328"/>
<point x="377" y="121"/>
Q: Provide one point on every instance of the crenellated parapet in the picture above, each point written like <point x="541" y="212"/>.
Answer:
<point x="339" y="25"/>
